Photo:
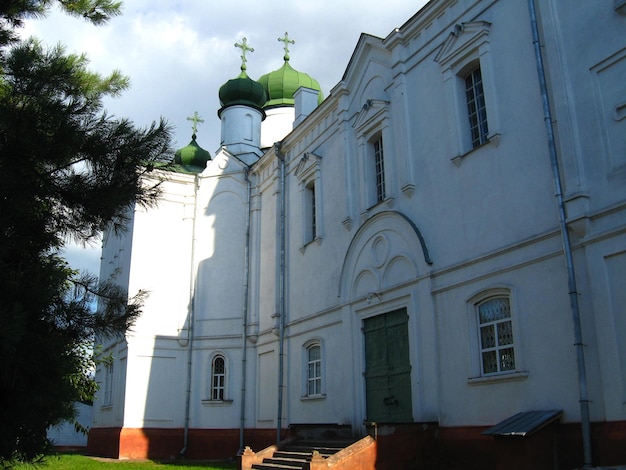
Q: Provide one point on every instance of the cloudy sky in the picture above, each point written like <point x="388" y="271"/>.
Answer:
<point x="178" y="53"/>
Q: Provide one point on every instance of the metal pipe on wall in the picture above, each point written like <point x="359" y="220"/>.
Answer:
<point x="244" y="349"/>
<point x="281" y="294"/>
<point x="567" y="247"/>
<point x="192" y="302"/>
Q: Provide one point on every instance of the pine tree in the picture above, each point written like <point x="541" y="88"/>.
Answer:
<point x="67" y="171"/>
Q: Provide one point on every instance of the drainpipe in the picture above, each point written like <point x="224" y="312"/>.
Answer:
<point x="244" y="335"/>
<point x="192" y="302"/>
<point x="567" y="248"/>
<point x="281" y="292"/>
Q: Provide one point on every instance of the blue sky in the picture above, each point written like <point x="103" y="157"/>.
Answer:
<point x="178" y="53"/>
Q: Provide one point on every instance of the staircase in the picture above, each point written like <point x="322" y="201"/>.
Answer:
<point x="297" y="455"/>
<point x="336" y="454"/>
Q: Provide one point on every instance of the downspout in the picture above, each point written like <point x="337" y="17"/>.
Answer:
<point x="567" y="248"/>
<point x="281" y="293"/>
<point x="192" y="302"/>
<point x="244" y="335"/>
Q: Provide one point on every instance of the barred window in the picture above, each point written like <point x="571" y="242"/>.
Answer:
<point x="314" y="372"/>
<point x="310" y="216"/>
<point x="496" y="336"/>
<point x="379" y="169"/>
<point x="476" y="109"/>
<point x="108" y="384"/>
<point x="218" y="378"/>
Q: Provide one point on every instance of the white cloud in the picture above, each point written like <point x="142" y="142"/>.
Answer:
<point x="178" y="53"/>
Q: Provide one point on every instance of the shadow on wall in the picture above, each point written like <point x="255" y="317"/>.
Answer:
<point x="217" y="308"/>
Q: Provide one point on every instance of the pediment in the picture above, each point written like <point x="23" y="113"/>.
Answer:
<point x="465" y="37"/>
<point x="373" y="110"/>
<point x="222" y="163"/>
<point x="308" y="164"/>
<point x="368" y="49"/>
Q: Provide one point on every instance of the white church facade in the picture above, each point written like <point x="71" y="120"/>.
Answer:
<point x="435" y="246"/>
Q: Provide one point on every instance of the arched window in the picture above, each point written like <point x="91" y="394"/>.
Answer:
<point x="494" y="337"/>
<point x="313" y="370"/>
<point x="497" y="351"/>
<point x="314" y="374"/>
<point x="218" y="377"/>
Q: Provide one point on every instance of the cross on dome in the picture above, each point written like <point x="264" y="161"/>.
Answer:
<point x="195" y="119"/>
<point x="286" y="41"/>
<point x="243" y="45"/>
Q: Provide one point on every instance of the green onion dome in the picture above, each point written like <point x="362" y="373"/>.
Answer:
<point x="243" y="91"/>
<point x="281" y="84"/>
<point x="192" y="155"/>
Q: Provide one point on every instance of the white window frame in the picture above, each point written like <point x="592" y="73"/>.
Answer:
<point x="477" y="374"/>
<point x="378" y="154"/>
<point x="310" y="214"/>
<point x="466" y="49"/>
<point x="307" y="378"/>
<point x="372" y="124"/>
<point x="218" y="390"/>
<point x="496" y="337"/>
<point x="479" y="131"/>
<point x="108" y="383"/>
<point x="224" y="386"/>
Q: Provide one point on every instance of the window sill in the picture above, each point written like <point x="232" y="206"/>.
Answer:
<point x="316" y="240"/>
<point x="493" y="139"/>
<point x="504" y="377"/>
<point x="379" y="206"/>
<point x="313" y="397"/>
<point x="217" y="402"/>
<point x="106" y="407"/>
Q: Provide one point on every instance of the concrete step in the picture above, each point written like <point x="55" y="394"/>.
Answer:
<point x="295" y="456"/>
<point x="286" y="460"/>
<point x="276" y="466"/>
<point x="298" y="453"/>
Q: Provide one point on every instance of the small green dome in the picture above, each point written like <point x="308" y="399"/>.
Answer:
<point x="192" y="155"/>
<point x="281" y="84"/>
<point x="242" y="90"/>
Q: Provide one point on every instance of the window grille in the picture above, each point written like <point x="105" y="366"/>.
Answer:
<point x="496" y="336"/>
<point x="314" y="376"/>
<point x="108" y="384"/>
<point x="312" y="215"/>
<point x="218" y="378"/>
<point x="379" y="167"/>
<point x="477" y="112"/>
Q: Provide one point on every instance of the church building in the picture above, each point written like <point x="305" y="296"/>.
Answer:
<point x="433" y="254"/>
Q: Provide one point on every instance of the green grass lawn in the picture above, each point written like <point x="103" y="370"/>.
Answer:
<point x="80" y="462"/>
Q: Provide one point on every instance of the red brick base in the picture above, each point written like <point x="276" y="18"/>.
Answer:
<point x="166" y="444"/>
<point x="415" y="445"/>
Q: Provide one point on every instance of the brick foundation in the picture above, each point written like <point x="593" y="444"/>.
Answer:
<point x="166" y="444"/>
<point x="412" y="445"/>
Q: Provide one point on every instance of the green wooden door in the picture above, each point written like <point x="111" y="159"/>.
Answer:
<point x="387" y="368"/>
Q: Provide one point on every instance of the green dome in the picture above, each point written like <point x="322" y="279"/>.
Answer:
<point x="192" y="155"/>
<point x="281" y="84"/>
<point x="242" y="90"/>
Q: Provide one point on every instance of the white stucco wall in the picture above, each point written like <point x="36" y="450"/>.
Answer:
<point x="487" y="218"/>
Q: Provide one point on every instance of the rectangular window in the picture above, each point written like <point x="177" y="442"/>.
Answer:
<point x="477" y="112"/>
<point x="108" y="384"/>
<point x="314" y="375"/>
<point x="379" y="168"/>
<point x="310" y="209"/>
<point x="496" y="336"/>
